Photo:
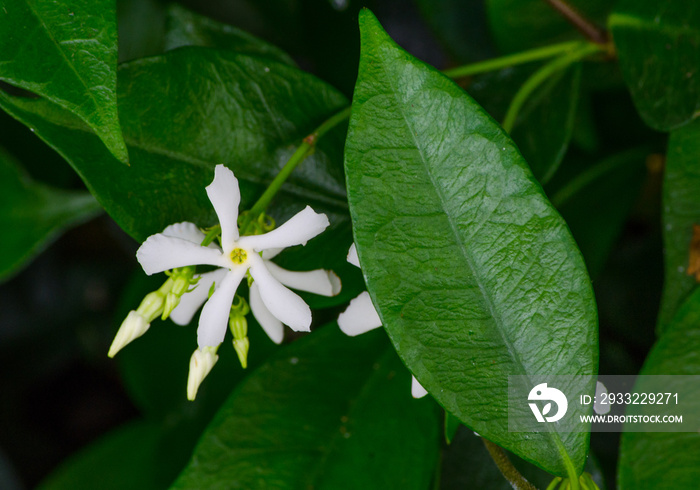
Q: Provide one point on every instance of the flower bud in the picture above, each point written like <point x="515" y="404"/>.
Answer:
<point x="201" y="362"/>
<point x="134" y="326"/>
<point x="180" y="281"/>
<point x="152" y="305"/>
<point x="239" y="326"/>
<point x="171" y="302"/>
<point x="241" y="347"/>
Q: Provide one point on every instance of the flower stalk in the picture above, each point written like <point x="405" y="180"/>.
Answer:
<point x="305" y="149"/>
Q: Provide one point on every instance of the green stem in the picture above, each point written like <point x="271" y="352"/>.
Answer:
<point x="554" y="483"/>
<point x="605" y="166"/>
<point x="570" y="470"/>
<point x="304" y="150"/>
<point x="513" y="59"/>
<point x="537" y="78"/>
<point x="499" y="456"/>
<point x="212" y="233"/>
<point x="308" y="144"/>
<point x="578" y="49"/>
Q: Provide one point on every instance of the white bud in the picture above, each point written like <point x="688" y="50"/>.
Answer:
<point x="134" y="326"/>
<point x="201" y="362"/>
<point x="241" y="346"/>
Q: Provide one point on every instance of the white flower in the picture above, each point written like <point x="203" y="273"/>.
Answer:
<point x="271" y="302"/>
<point x="360" y="317"/>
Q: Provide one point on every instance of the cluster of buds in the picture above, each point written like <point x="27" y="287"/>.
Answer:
<point x="159" y="303"/>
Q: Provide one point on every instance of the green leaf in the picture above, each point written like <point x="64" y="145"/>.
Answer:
<point x="185" y="28"/>
<point x="666" y="460"/>
<point x="467" y="464"/>
<point x="33" y="214"/>
<point x="124" y="458"/>
<point x="141" y="28"/>
<point x="315" y="416"/>
<point x="681" y="210"/>
<point x="657" y="45"/>
<point x="452" y="424"/>
<point x="518" y="25"/>
<point x="66" y="52"/>
<point x="546" y="122"/>
<point x="246" y="112"/>
<point x="473" y="272"/>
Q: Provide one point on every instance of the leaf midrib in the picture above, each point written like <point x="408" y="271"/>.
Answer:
<point x="86" y="87"/>
<point x="554" y="436"/>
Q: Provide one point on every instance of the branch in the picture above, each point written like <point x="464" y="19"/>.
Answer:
<point x="584" y="26"/>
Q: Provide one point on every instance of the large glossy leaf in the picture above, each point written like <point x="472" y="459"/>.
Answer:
<point x="228" y="109"/>
<point x="328" y="412"/>
<point x="681" y="210"/>
<point x="657" y="44"/>
<point x="66" y="52"/>
<point x="246" y="112"/>
<point x="666" y="460"/>
<point x="185" y="28"/>
<point x="466" y="463"/>
<point x="33" y="214"/>
<point x="522" y="24"/>
<point x="475" y="275"/>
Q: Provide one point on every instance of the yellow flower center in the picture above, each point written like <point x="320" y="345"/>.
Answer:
<point x="238" y="255"/>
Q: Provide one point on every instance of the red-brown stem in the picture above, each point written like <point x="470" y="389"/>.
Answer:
<point x="499" y="456"/>
<point x="584" y="26"/>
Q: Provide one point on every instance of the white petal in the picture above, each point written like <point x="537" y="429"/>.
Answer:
<point x="286" y="306"/>
<point x="417" y="389"/>
<point x="301" y="228"/>
<point x="192" y="301"/>
<point x="319" y="281"/>
<point x="270" y="253"/>
<point x="214" y="317"/>
<point x="272" y="326"/>
<point x="225" y="196"/>
<point x="188" y="231"/>
<point x="359" y="317"/>
<point x="160" y="253"/>
<point x="185" y="230"/>
<point x="352" y="256"/>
